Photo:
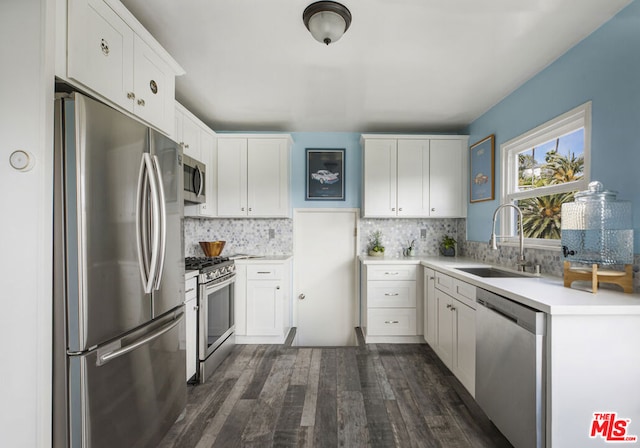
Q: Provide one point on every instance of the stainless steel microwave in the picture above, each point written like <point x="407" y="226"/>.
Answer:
<point x="194" y="180"/>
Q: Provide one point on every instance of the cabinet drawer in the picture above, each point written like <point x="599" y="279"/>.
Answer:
<point x="264" y="272"/>
<point x="464" y="292"/>
<point x="444" y="282"/>
<point x="391" y="294"/>
<point x="391" y="272"/>
<point x="190" y="289"/>
<point x="392" y="322"/>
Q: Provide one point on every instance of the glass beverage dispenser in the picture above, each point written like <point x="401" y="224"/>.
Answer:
<point x="597" y="230"/>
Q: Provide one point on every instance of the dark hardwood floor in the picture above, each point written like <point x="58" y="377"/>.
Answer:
<point x="378" y="395"/>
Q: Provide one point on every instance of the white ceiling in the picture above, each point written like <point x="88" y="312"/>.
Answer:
<point x="403" y="66"/>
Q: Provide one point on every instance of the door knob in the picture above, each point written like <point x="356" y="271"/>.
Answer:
<point x="301" y="297"/>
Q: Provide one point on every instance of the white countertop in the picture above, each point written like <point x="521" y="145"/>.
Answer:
<point x="257" y="259"/>
<point x="190" y="274"/>
<point x="544" y="293"/>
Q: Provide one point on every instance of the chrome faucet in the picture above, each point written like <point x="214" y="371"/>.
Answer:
<point x="493" y="238"/>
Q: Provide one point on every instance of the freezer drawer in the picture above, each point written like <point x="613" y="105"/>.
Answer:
<point x="129" y="400"/>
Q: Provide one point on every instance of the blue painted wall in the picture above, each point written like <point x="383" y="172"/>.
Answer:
<point x="350" y="141"/>
<point x="603" y="68"/>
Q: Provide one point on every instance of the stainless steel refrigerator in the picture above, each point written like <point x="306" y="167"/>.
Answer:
<point x="119" y="367"/>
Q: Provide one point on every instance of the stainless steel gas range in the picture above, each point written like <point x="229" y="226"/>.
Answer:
<point x="216" y="323"/>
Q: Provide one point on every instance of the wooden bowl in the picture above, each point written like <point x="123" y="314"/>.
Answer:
<point x="212" y="248"/>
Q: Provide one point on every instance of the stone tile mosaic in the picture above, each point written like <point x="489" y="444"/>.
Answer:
<point x="248" y="236"/>
<point x="252" y="236"/>
<point x="398" y="233"/>
<point x="551" y="261"/>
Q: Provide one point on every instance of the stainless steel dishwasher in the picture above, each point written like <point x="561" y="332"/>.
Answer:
<point x="510" y="368"/>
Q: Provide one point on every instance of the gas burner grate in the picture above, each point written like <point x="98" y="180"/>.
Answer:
<point x="199" y="263"/>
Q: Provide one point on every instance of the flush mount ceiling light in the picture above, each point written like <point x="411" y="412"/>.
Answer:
<point x="326" y="21"/>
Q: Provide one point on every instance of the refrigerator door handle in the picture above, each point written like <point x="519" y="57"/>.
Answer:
<point x="142" y="224"/>
<point x="147" y="181"/>
<point x="104" y="358"/>
<point x="162" y="207"/>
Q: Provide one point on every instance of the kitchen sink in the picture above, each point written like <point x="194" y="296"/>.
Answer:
<point x="493" y="272"/>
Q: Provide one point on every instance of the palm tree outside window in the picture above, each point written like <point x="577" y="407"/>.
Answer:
<point x="541" y="170"/>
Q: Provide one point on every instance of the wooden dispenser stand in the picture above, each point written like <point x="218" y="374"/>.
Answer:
<point x="621" y="278"/>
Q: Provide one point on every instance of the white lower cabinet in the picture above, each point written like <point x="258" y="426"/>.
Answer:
<point x="390" y="311"/>
<point x="430" y="311"/>
<point x="262" y="297"/>
<point x="190" y="323"/>
<point x="450" y="324"/>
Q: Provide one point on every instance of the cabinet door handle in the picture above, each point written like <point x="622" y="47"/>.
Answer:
<point x="400" y="209"/>
<point x="453" y="308"/>
<point x="140" y="102"/>
<point x="391" y="273"/>
<point x="433" y="209"/>
<point x="277" y="287"/>
<point x="431" y="278"/>
<point x="393" y="209"/>
<point x="264" y="272"/>
<point x="195" y="307"/>
<point x="250" y="209"/>
<point x="391" y="294"/>
<point x="131" y="96"/>
<point x="302" y="297"/>
<point x="391" y="322"/>
<point x="189" y="290"/>
<point x="242" y="209"/>
<point x="448" y="305"/>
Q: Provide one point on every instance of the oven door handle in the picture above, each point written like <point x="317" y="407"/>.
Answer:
<point x="220" y="285"/>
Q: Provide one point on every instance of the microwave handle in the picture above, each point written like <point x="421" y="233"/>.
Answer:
<point x="200" y="183"/>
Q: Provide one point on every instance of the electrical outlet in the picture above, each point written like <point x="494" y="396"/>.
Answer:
<point x="272" y="234"/>
<point x="423" y="234"/>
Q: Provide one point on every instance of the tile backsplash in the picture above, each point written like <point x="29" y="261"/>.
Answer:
<point x="275" y="237"/>
<point x="248" y="236"/>
<point x="398" y="233"/>
<point x="252" y="235"/>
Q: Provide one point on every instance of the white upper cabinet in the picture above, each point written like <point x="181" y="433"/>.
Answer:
<point x="414" y="176"/>
<point x="232" y="177"/>
<point x="447" y="178"/>
<point x="380" y="187"/>
<point x="253" y="176"/>
<point x="199" y="142"/>
<point x="110" y="53"/>
<point x="100" y="50"/>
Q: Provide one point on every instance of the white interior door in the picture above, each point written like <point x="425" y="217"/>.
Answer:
<point x="325" y="248"/>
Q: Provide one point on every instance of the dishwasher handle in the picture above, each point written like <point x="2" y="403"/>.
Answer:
<point x="498" y="311"/>
<point x="532" y="320"/>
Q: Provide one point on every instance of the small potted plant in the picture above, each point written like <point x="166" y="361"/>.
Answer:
<point x="375" y="247"/>
<point x="448" y="246"/>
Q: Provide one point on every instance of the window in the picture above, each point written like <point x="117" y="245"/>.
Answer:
<point x="541" y="170"/>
